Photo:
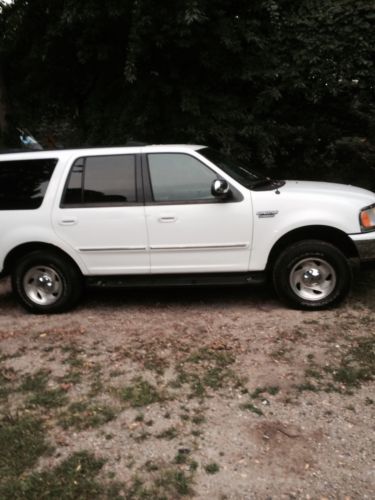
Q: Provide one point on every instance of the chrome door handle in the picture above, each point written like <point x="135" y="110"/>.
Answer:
<point x="167" y="219"/>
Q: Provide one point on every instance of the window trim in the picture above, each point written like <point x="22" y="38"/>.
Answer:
<point x="148" y="192"/>
<point x="138" y="184"/>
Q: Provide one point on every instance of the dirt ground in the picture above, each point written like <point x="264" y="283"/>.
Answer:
<point x="205" y="393"/>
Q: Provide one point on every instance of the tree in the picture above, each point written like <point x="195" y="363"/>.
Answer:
<point x="286" y="85"/>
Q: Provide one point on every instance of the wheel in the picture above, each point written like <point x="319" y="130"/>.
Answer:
<point x="312" y="274"/>
<point x="45" y="282"/>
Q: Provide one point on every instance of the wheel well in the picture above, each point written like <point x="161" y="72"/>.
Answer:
<point x="324" y="233"/>
<point x="26" y="248"/>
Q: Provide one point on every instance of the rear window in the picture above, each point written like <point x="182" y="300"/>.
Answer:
<point x="23" y="183"/>
<point x="101" y="181"/>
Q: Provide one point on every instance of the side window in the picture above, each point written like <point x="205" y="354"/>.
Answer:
<point x="179" y="177"/>
<point x="23" y="183"/>
<point x="101" y="180"/>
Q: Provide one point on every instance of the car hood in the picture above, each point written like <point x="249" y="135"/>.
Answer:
<point x="328" y="189"/>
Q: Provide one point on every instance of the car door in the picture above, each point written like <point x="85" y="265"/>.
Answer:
<point x="100" y="214"/>
<point x="189" y="229"/>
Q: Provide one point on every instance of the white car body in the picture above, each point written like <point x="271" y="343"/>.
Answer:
<point x="181" y="238"/>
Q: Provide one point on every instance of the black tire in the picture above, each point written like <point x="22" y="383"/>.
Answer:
<point x="312" y="275"/>
<point x="45" y="282"/>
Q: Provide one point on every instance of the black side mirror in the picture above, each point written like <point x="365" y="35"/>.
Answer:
<point x="220" y="189"/>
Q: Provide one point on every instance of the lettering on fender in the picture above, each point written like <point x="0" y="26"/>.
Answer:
<point x="267" y="214"/>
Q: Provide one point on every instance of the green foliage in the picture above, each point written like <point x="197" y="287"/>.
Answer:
<point x="286" y="85"/>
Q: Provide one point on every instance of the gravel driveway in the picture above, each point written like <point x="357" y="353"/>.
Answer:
<point x="205" y="393"/>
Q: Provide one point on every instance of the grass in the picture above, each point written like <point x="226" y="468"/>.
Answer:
<point x="356" y="366"/>
<point x="169" y="434"/>
<point x="259" y="391"/>
<point x="252" y="408"/>
<point x="139" y="394"/>
<point x="212" y="468"/>
<point x="72" y="479"/>
<point x="83" y="415"/>
<point x="41" y="395"/>
<point x="22" y="441"/>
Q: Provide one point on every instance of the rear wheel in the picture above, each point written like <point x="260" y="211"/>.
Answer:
<point x="45" y="282"/>
<point x="312" y="274"/>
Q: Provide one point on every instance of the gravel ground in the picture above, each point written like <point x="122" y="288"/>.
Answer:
<point x="224" y="389"/>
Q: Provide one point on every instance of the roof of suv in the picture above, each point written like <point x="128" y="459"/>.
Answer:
<point x="13" y="154"/>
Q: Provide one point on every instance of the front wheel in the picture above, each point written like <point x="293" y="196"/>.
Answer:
<point x="312" y="274"/>
<point x="45" y="282"/>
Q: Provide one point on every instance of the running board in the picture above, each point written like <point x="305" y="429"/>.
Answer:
<point x="166" y="280"/>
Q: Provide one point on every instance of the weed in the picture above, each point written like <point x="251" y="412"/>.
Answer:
<point x="272" y="390"/>
<point x="169" y="433"/>
<point x="251" y="407"/>
<point x="313" y="373"/>
<point x="174" y="482"/>
<point x="212" y="468"/>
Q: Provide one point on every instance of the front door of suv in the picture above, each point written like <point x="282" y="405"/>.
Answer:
<point x="190" y="230"/>
<point x="101" y="214"/>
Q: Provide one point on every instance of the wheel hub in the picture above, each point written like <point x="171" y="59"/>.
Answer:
<point x="43" y="285"/>
<point x="313" y="279"/>
<point x="45" y="282"/>
<point x="312" y="276"/>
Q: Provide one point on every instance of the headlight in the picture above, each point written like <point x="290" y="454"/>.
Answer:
<point x="367" y="218"/>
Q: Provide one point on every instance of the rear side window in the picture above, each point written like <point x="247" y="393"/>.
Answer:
<point x="101" y="180"/>
<point x="23" y="183"/>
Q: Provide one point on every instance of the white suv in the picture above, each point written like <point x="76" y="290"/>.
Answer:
<point x="173" y="215"/>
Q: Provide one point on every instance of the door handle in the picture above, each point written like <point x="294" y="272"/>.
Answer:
<point x="167" y="219"/>
<point x="68" y="222"/>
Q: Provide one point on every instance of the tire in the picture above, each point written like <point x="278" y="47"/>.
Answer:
<point x="312" y="275"/>
<point x="45" y="282"/>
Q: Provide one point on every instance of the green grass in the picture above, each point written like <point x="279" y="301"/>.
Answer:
<point x="83" y="415"/>
<point x="139" y="394"/>
<point x="22" y="441"/>
<point x="252" y="408"/>
<point x="168" y="434"/>
<point x="212" y="468"/>
<point x="41" y="395"/>
<point x="259" y="391"/>
<point x="72" y="479"/>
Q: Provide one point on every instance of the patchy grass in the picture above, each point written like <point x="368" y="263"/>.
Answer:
<point x="22" y="441"/>
<point x="73" y="479"/>
<point x="83" y="415"/>
<point x="356" y="366"/>
<point x="41" y="395"/>
<point x="140" y="393"/>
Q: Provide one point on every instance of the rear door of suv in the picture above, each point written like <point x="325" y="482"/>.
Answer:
<point x="100" y="213"/>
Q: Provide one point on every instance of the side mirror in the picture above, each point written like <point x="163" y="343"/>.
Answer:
<point x="220" y="189"/>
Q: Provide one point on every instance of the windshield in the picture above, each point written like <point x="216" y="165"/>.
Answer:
<point x="236" y="169"/>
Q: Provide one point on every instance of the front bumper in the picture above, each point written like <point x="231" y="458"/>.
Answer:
<point x="365" y="244"/>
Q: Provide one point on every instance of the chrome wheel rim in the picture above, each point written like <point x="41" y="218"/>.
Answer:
<point x="42" y="285"/>
<point x="313" y="279"/>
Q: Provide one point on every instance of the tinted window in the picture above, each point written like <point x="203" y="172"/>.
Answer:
<point x="179" y="177"/>
<point x="98" y="180"/>
<point x="23" y="183"/>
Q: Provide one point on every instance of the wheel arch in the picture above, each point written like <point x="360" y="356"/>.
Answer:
<point x="328" y="234"/>
<point x="25" y="248"/>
